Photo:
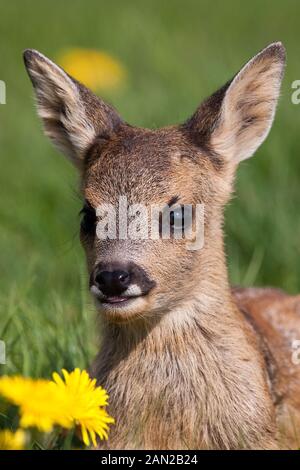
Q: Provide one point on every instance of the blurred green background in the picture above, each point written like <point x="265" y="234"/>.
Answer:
<point x="176" y="53"/>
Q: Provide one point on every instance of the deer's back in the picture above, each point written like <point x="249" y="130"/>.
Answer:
<point x="275" y="318"/>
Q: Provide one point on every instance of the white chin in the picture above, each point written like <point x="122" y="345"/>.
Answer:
<point x="122" y="311"/>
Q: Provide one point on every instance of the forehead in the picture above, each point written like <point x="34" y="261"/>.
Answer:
<point x="144" y="165"/>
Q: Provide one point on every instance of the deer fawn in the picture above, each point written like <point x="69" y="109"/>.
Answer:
<point x="188" y="362"/>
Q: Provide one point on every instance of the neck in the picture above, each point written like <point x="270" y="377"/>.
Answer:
<point x="194" y="376"/>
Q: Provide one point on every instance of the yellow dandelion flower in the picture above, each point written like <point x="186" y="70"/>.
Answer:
<point x="12" y="440"/>
<point x="84" y="404"/>
<point x="73" y="400"/>
<point x="40" y="404"/>
<point x="95" y="69"/>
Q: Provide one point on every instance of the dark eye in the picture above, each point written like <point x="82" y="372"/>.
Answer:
<point x="180" y="219"/>
<point x="177" y="218"/>
<point x="88" y="221"/>
<point x="173" y="222"/>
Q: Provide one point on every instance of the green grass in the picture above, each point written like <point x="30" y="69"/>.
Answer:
<point x="176" y="53"/>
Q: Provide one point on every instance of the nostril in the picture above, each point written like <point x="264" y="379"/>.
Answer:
<point x="123" y="277"/>
<point x="112" y="282"/>
<point x="103" y="278"/>
<point x="114" y="279"/>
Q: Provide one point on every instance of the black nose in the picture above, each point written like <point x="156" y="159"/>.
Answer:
<point x="112" y="283"/>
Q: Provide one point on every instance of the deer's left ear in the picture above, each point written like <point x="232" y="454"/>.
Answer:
<point x="72" y="115"/>
<point x="236" y="119"/>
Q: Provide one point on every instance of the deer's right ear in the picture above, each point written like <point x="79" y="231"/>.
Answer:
<point x="236" y="119"/>
<point x="72" y="115"/>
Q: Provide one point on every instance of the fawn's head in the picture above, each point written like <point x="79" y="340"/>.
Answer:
<point x="189" y="164"/>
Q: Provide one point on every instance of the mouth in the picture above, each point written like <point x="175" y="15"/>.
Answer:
<point x="121" y="308"/>
<point x="114" y="302"/>
<point x="117" y="301"/>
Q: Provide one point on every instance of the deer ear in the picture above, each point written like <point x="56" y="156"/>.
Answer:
<point x="236" y="119"/>
<point x="72" y="115"/>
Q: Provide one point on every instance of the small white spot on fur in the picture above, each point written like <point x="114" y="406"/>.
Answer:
<point x="96" y="292"/>
<point x="133" y="290"/>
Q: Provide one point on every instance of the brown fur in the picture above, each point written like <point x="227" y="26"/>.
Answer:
<point x="191" y="364"/>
